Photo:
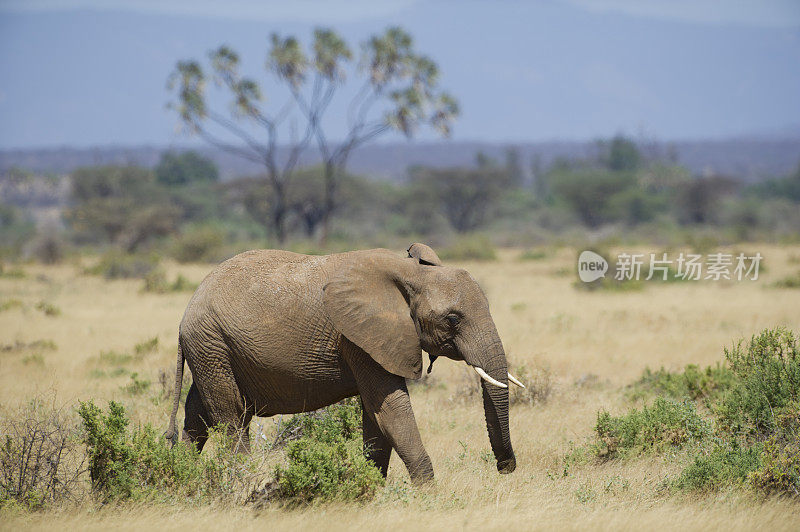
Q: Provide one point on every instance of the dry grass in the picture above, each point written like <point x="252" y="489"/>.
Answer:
<point x="591" y="342"/>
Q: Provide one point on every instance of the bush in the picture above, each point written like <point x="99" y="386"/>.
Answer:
<point x="36" y="359"/>
<point x="136" y="386"/>
<point x="754" y="436"/>
<point x="138" y="464"/>
<point x="12" y="272"/>
<point x="113" y="358"/>
<point x="666" y="423"/>
<point x="156" y="282"/>
<point x="780" y="459"/>
<point x="48" y="309"/>
<point x="41" y="460"/>
<point x="116" y="265"/>
<point x="327" y="462"/>
<point x="533" y="254"/>
<point x="18" y="346"/>
<point x="767" y="380"/>
<point x="791" y="281"/>
<point x="473" y="247"/>
<point x="146" y="347"/>
<point x="610" y="284"/>
<point x="10" y="304"/>
<point x="722" y="467"/>
<point x="754" y="401"/>
<point x="200" y="245"/>
<point x="692" y="383"/>
<point x="123" y="205"/>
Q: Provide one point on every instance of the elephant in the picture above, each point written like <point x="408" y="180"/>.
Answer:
<point x="273" y="332"/>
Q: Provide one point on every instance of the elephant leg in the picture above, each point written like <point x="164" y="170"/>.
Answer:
<point x="376" y="446"/>
<point x="224" y="402"/>
<point x="236" y="415"/>
<point x="385" y="398"/>
<point x="195" y="424"/>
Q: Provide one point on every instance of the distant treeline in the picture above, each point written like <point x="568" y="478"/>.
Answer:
<point x="182" y="207"/>
<point x="747" y="159"/>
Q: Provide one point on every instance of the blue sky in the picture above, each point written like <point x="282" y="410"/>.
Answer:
<point x="93" y="72"/>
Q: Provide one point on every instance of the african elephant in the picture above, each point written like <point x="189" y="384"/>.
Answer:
<point x="272" y="332"/>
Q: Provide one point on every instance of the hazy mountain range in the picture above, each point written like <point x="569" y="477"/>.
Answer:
<point x="750" y="159"/>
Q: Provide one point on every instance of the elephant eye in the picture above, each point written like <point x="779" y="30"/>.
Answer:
<point x="453" y="319"/>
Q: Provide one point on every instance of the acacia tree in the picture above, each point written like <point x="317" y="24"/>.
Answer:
<point x="399" y="92"/>
<point x="245" y="114"/>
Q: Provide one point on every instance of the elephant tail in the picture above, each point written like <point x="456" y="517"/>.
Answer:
<point x="172" y="431"/>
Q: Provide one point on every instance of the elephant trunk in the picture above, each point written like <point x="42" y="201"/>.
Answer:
<point x="495" y="403"/>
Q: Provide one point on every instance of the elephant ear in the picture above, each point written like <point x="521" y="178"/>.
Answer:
<point x="366" y="304"/>
<point x="424" y="254"/>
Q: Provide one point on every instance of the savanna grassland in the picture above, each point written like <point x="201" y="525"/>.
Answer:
<point x="67" y="336"/>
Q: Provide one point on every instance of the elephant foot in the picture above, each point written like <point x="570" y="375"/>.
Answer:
<point x="423" y="473"/>
<point x="421" y="480"/>
<point x="507" y="466"/>
<point x="172" y="437"/>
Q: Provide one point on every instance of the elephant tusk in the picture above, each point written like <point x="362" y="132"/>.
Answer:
<point x="515" y="380"/>
<point x="485" y="376"/>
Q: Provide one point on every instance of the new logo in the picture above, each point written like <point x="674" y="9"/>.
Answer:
<point x="591" y="266"/>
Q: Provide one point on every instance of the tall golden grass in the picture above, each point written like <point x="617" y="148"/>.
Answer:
<point x="592" y="343"/>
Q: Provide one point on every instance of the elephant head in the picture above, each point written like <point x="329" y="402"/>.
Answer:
<point x="393" y="308"/>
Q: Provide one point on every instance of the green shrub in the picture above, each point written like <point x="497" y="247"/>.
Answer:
<point x="754" y="436"/>
<point x="138" y="465"/>
<point x="113" y="358"/>
<point x="327" y="461"/>
<point x="36" y="359"/>
<point x="667" y="423"/>
<point x="791" y="281"/>
<point x="767" y="380"/>
<point x="11" y="304"/>
<point x="156" y="282"/>
<point x="12" y="273"/>
<point x="109" y="457"/>
<point x="780" y="459"/>
<point x="116" y="265"/>
<point x="610" y="284"/>
<point x="136" y="386"/>
<point x="146" y="347"/>
<point x="48" y="308"/>
<point x="36" y="345"/>
<point x="722" y="467"/>
<point x="204" y="244"/>
<point x="182" y="284"/>
<point x="472" y="247"/>
<point x="692" y="383"/>
<point x="533" y="254"/>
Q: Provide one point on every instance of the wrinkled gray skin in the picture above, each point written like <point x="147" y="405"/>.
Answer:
<point x="272" y="332"/>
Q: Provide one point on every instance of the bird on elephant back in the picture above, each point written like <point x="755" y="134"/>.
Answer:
<point x="273" y="332"/>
